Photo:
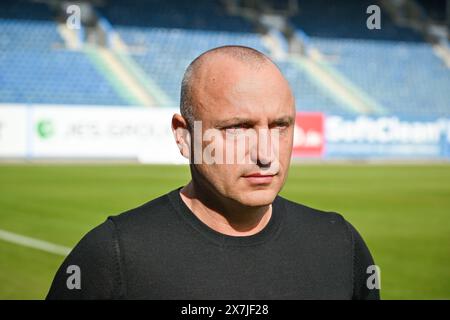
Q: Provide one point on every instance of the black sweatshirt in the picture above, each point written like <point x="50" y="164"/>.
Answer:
<point x="161" y="250"/>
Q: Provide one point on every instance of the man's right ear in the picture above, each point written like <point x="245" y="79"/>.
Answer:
<point x="181" y="134"/>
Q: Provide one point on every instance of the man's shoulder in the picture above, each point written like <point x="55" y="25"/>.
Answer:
<point x="153" y="210"/>
<point x="306" y="214"/>
<point x="325" y="229"/>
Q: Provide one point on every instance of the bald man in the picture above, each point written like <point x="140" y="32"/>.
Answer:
<point x="226" y="234"/>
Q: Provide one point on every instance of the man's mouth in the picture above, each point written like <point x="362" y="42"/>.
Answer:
<point x="259" y="178"/>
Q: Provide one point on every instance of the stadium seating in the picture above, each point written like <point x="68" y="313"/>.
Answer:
<point x="164" y="36"/>
<point x="309" y="96"/>
<point x="406" y="78"/>
<point x="203" y="15"/>
<point x="166" y="43"/>
<point x="36" y="68"/>
<point x="393" y="65"/>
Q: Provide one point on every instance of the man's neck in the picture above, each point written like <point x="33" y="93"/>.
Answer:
<point x="224" y="215"/>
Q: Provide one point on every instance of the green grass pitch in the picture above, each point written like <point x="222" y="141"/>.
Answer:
<point x="402" y="211"/>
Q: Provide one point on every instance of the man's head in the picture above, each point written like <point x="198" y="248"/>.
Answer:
<point x="234" y="92"/>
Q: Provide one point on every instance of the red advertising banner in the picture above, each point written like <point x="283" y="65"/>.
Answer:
<point x="309" y="134"/>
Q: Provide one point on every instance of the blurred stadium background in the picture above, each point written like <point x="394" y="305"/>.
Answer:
<point x="97" y="81"/>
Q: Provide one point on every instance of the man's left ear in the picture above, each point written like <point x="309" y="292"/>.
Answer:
<point x="181" y="134"/>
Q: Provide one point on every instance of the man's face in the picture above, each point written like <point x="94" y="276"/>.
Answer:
<point x="251" y="113"/>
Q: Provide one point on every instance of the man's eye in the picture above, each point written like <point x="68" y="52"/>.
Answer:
<point x="281" y="125"/>
<point x="238" y="126"/>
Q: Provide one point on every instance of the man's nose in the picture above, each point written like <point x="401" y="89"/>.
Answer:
<point x="264" y="153"/>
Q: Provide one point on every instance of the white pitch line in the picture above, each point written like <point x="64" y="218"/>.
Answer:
<point x="34" y="243"/>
